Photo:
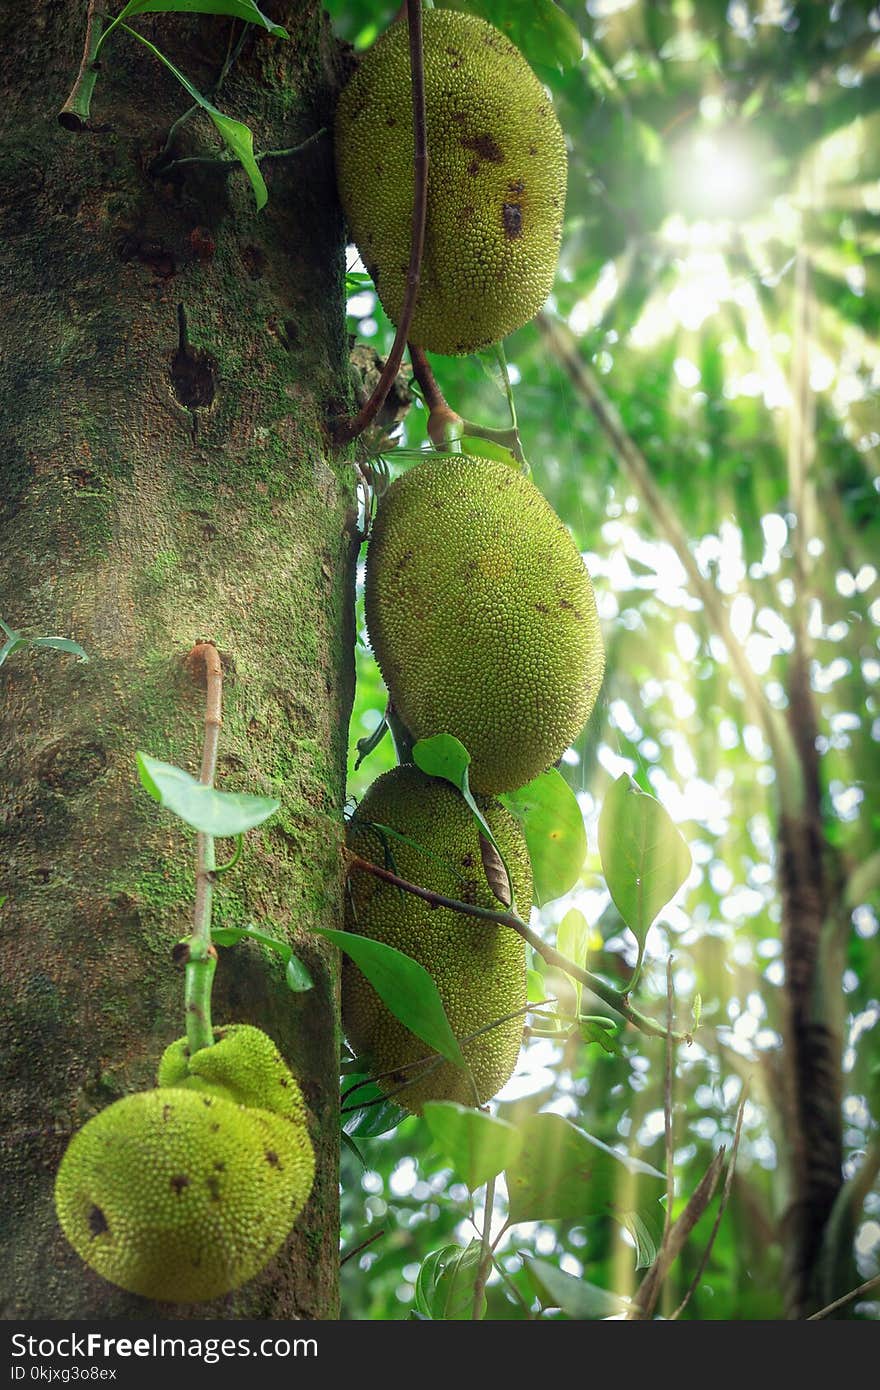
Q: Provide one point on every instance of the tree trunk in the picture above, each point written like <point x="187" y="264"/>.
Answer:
<point x="813" y="1026"/>
<point x="158" y="489"/>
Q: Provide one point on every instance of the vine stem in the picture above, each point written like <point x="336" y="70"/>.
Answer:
<point x="485" y="1253"/>
<point x="616" y="999"/>
<point x="350" y="429"/>
<point x="74" y="114"/>
<point x="201" y="960"/>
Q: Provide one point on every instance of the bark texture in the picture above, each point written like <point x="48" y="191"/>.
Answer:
<point x="155" y="493"/>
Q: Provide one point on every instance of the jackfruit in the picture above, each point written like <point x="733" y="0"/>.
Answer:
<point x="243" y="1066"/>
<point x="180" y="1196"/>
<point x="496" y="180"/>
<point x="478" y="967"/>
<point x="482" y="617"/>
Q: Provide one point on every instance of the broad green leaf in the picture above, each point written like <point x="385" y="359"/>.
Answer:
<point x="553" y="825"/>
<point x="574" y="1296"/>
<point x="239" y="9"/>
<point x="60" y="644"/>
<point x="237" y="136"/>
<point x="565" y="1174"/>
<point x="406" y="988"/>
<point x="573" y="939"/>
<point x="7" y="629"/>
<point x="222" y="814"/>
<point x="478" y="1145"/>
<point x="443" y="755"/>
<point x="371" y="1112"/>
<point x="445" y="1284"/>
<point x="477" y="447"/>
<point x="644" y="857"/>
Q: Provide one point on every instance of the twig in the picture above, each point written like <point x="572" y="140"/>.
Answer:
<point x="725" y="1194"/>
<point x="667" y="1104"/>
<point x="74" y="114"/>
<point x="485" y="1254"/>
<point x="847" y="1298"/>
<point x="363" y="1245"/>
<point x="350" y="429"/>
<point x="444" y="426"/>
<point x="201" y="957"/>
<point x="673" y="1242"/>
<point x="613" y="997"/>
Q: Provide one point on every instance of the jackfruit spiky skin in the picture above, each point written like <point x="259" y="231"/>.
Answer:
<point x="482" y="616"/>
<point x="243" y="1066"/>
<point x="496" y="180"/>
<point x="479" y="968"/>
<point x="181" y="1196"/>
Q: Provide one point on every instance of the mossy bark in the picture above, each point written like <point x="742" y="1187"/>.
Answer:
<point x="151" y="497"/>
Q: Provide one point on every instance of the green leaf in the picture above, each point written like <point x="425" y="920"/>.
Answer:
<point x="563" y="1173"/>
<point x="646" y="1228"/>
<point x="572" y="940"/>
<point x="222" y="814"/>
<point x="404" y="986"/>
<point x="61" y="644"/>
<point x="237" y="136"/>
<point x="644" y="857"/>
<point x="445" y="1284"/>
<point x="443" y="755"/>
<point x="574" y="1296"/>
<point x="295" y="973"/>
<point x="698" y="1010"/>
<point x="369" y="1120"/>
<point x="239" y="9"/>
<point x="602" y="1031"/>
<point x="7" y="629"/>
<point x="553" y="825"/>
<point x="477" y="447"/>
<point x="478" y="1145"/>
<point x="12" y="645"/>
<point x="3" y="899"/>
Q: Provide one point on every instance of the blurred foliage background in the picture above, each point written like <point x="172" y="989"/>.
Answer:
<point x="720" y="281"/>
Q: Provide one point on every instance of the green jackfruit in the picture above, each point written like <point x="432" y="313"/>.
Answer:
<point x="482" y="617"/>
<point x="479" y="968"/>
<point x="243" y="1066"/>
<point x="496" y="180"/>
<point x="181" y="1196"/>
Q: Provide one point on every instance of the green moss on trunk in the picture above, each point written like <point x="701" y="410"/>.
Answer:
<point x="138" y="525"/>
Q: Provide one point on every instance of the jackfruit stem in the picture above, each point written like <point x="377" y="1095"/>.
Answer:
<point x="350" y="429"/>
<point x="445" y="427"/>
<point x="615" y="998"/>
<point x="202" y="956"/>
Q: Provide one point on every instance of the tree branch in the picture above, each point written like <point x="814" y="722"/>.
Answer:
<point x="613" y="997"/>
<point x="444" y="426"/>
<point x="350" y="429"/>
